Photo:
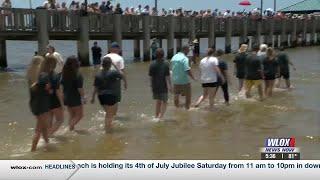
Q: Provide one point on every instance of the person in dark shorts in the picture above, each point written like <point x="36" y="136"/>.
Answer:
<point x="74" y="97"/>
<point x="223" y="66"/>
<point x="253" y="73"/>
<point x="96" y="54"/>
<point x="239" y="63"/>
<point x="39" y="89"/>
<point x="159" y="73"/>
<point x="270" y="71"/>
<point x="56" y="99"/>
<point x="284" y="63"/>
<point x="209" y="72"/>
<point x="106" y="85"/>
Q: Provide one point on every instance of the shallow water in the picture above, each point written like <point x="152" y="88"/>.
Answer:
<point x="232" y="132"/>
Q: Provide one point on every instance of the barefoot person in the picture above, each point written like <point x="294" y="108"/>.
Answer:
<point x="56" y="99"/>
<point x="254" y="73"/>
<point x="72" y="83"/>
<point x="106" y="85"/>
<point x="180" y="76"/>
<point x="239" y="63"/>
<point x="118" y="61"/>
<point x="159" y="73"/>
<point x="223" y="66"/>
<point x="270" y="70"/>
<point x="209" y="71"/>
<point x="284" y="63"/>
<point x="39" y="89"/>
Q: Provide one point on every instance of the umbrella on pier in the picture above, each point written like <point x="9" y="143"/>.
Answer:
<point x="245" y="3"/>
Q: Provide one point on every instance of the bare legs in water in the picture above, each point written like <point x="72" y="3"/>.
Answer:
<point x="53" y="126"/>
<point x="76" y="114"/>
<point x="41" y="129"/>
<point x="208" y="92"/>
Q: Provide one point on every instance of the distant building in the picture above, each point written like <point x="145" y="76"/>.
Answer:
<point x="303" y="7"/>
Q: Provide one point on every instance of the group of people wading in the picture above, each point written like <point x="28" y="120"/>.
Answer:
<point x="55" y="84"/>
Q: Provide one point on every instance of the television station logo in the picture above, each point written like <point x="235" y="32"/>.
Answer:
<point x="280" y="145"/>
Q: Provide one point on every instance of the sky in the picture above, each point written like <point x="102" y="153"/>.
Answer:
<point x="186" y="4"/>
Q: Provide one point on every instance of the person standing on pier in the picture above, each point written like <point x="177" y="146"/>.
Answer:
<point x="39" y="89"/>
<point x="181" y="72"/>
<point x="106" y="85"/>
<point x="253" y="73"/>
<point x="159" y="72"/>
<point x="51" y="51"/>
<point x="96" y="54"/>
<point x="118" y="61"/>
<point x="284" y="63"/>
<point x="210" y="72"/>
<point x="239" y="63"/>
<point x="74" y="97"/>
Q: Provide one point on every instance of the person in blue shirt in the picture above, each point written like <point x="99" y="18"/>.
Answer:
<point x="181" y="72"/>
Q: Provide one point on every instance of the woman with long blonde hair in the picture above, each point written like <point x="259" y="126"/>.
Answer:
<point x="39" y="88"/>
<point x="56" y="99"/>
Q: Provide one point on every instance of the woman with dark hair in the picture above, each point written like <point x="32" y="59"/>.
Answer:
<point x="107" y="85"/>
<point x="39" y="88"/>
<point x="72" y="83"/>
<point x="56" y="99"/>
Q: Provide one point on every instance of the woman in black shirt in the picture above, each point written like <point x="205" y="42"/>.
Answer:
<point x="39" y="89"/>
<point x="72" y="83"/>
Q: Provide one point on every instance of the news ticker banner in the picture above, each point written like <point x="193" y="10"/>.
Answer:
<point x="158" y="169"/>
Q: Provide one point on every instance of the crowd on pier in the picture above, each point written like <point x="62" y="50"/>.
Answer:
<point x="107" y="7"/>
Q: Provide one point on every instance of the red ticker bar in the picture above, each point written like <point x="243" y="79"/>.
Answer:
<point x="280" y="156"/>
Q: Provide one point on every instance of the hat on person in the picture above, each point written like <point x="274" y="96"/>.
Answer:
<point x="195" y="41"/>
<point x="115" y="45"/>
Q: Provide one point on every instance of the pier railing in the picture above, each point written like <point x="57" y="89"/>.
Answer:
<point x="21" y="20"/>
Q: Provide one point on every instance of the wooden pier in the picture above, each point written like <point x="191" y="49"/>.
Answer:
<point x="43" y="25"/>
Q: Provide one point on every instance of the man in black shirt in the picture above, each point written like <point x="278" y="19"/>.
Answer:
<point x="284" y="62"/>
<point x="159" y="73"/>
<point x="253" y="73"/>
<point x="96" y="54"/>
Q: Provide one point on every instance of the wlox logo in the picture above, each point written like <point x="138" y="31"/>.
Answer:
<point x="280" y="142"/>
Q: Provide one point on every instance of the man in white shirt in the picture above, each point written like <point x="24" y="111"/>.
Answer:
<point x="115" y="57"/>
<point x="139" y="10"/>
<point x="51" y="51"/>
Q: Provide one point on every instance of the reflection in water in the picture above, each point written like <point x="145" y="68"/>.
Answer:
<point x="231" y="132"/>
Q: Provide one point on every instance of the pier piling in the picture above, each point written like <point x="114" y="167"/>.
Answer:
<point x="83" y="43"/>
<point x="146" y="38"/>
<point x="228" y="28"/>
<point x="269" y="37"/>
<point x="284" y="37"/>
<point x="43" y="34"/>
<point x="136" y="49"/>
<point x="178" y="44"/>
<point x="117" y="30"/>
<point x="170" y="38"/>
<point x="3" y="54"/>
<point x="244" y="32"/>
<point x="211" y="30"/>
<point x="293" y="37"/>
